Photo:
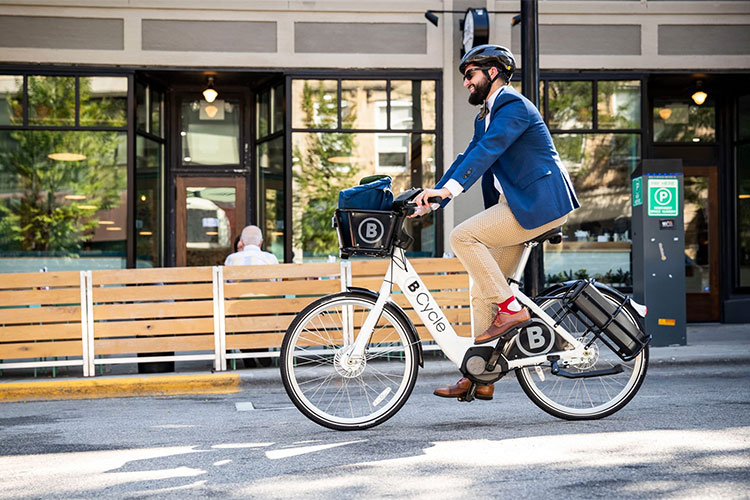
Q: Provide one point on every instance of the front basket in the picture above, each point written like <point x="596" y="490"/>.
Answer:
<point x="365" y="232"/>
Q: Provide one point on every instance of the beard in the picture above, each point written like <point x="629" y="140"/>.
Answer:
<point x="481" y="91"/>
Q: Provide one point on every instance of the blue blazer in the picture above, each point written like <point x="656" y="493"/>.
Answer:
<point x="517" y="148"/>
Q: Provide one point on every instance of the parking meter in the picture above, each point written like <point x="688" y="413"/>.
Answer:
<point x="659" y="248"/>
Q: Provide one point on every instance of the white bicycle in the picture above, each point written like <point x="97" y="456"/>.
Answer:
<point x="350" y="360"/>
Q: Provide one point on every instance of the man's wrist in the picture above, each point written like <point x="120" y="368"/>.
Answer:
<point x="454" y="187"/>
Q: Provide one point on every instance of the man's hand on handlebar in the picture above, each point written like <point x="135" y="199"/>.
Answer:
<point x="423" y="200"/>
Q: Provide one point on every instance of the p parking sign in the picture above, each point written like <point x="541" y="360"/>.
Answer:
<point x="663" y="197"/>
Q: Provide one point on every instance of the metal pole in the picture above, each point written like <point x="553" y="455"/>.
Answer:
<point x="533" y="276"/>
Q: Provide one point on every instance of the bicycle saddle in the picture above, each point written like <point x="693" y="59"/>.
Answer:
<point x="554" y="236"/>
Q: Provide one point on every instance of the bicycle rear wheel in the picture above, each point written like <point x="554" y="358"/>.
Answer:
<point x="347" y="399"/>
<point x="584" y="398"/>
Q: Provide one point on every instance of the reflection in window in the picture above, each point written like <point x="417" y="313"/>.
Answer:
<point x="148" y="201"/>
<point x="52" y="100"/>
<point x="271" y="165"/>
<point x="11" y="100"/>
<point x="619" y="104"/>
<point x="684" y="121"/>
<point x="211" y="213"/>
<point x="63" y="198"/>
<point x="103" y="101"/>
<point x="210" y="132"/>
<point x="570" y="104"/>
<point x="743" y="213"/>
<point x="413" y="104"/>
<point x="360" y="101"/>
<point x="697" y="272"/>
<point x="314" y="104"/>
<point x="597" y="235"/>
<point x="325" y="163"/>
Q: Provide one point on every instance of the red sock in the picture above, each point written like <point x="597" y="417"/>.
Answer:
<point x="509" y="306"/>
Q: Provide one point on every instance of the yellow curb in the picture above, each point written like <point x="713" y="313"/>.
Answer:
<point x="217" y="383"/>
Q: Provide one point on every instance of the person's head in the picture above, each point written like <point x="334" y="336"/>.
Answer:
<point x="486" y="67"/>
<point x="251" y="235"/>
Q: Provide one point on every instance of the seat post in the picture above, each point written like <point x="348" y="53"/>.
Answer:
<point x="528" y="247"/>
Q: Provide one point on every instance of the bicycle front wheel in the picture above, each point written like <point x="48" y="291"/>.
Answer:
<point x="362" y="395"/>
<point x="584" y="398"/>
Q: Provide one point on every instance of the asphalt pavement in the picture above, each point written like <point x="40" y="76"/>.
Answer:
<point x="707" y="344"/>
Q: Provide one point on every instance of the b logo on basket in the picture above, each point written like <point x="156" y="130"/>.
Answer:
<point x="370" y="230"/>
<point x="535" y="339"/>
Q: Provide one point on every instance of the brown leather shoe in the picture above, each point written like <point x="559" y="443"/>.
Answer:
<point x="501" y="324"/>
<point x="460" y="388"/>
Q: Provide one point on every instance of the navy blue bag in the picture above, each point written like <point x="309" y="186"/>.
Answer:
<point x="375" y="195"/>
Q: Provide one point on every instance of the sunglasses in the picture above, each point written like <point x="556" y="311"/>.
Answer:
<point x="470" y="72"/>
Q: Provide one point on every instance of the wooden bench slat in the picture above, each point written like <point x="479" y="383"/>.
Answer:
<point x="314" y="270"/>
<point x="153" y="327"/>
<point x="154" y="275"/>
<point x="39" y="280"/>
<point x="152" y="292"/>
<point x="55" y="331"/>
<point x="41" y="350"/>
<point x="154" y="344"/>
<point x="276" y="288"/>
<point x="55" y="296"/>
<point x="186" y="309"/>
<point x="39" y="315"/>
<point x="261" y="305"/>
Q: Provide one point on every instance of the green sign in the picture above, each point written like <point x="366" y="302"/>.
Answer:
<point x="663" y="199"/>
<point x="637" y="191"/>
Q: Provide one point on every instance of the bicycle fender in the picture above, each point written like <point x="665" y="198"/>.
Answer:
<point x="396" y="311"/>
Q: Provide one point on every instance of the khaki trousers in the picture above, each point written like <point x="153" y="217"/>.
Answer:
<point x="489" y="245"/>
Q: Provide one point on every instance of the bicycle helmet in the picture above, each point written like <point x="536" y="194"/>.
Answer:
<point x="489" y="56"/>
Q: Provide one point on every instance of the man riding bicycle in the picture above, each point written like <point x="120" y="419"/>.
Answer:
<point x="526" y="190"/>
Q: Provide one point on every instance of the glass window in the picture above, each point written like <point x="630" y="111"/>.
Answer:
<point x="413" y="104"/>
<point x="684" y="121"/>
<point x="362" y="102"/>
<point x="697" y="269"/>
<point x="314" y="104"/>
<point x="63" y="199"/>
<point x="52" y="100"/>
<point x="619" y="104"/>
<point x="148" y="201"/>
<point x="570" y="104"/>
<point x="210" y="132"/>
<point x="262" y="101"/>
<point x="104" y="101"/>
<point x="597" y="235"/>
<point x="141" y="115"/>
<point x="278" y="108"/>
<point x="743" y="213"/>
<point x="271" y="164"/>
<point x="11" y="100"/>
<point x="325" y="163"/>
<point x="157" y="112"/>
<point x="743" y="115"/>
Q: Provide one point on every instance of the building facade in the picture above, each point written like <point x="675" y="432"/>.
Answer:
<point x="111" y="156"/>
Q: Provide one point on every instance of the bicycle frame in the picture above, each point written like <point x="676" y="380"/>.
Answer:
<point x="401" y="273"/>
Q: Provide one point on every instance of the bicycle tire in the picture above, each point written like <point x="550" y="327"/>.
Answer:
<point x="585" y="398"/>
<point x="342" y="400"/>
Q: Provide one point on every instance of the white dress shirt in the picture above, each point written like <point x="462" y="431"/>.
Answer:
<point x="251" y="255"/>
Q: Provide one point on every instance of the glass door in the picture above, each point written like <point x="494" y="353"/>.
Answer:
<point x="210" y="215"/>
<point x="701" y="243"/>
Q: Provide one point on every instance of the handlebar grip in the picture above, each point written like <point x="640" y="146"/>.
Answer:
<point x="434" y="199"/>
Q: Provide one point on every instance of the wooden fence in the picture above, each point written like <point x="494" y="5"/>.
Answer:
<point x="92" y="318"/>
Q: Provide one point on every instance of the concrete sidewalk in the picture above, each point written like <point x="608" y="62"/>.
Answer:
<point x="708" y="344"/>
